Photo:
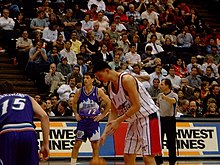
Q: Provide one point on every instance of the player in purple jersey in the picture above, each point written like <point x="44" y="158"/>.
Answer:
<point x="86" y="107"/>
<point x="18" y="139"/>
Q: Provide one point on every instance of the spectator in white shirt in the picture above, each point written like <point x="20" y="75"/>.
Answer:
<point x="175" y="80"/>
<point x="99" y="3"/>
<point x="69" y="54"/>
<point x="141" y="75"/>
<point x="87" y="24"/>
<point x="65" y="90"/>
<point x="50" y="35"/>
<point x="6" y="29"/>
<point x="156" y="48"/>
<point x="132" y="57"/>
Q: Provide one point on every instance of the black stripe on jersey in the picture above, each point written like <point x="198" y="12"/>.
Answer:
<point x="129" y="148"/>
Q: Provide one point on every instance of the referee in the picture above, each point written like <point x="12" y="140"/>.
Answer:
<point x="167" y="101"/>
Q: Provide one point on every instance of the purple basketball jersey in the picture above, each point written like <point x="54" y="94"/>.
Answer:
<point x="88" y="104"/>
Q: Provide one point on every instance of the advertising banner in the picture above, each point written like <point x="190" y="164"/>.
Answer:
<point x="194" y="139"/>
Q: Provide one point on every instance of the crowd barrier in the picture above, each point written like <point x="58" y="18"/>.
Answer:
<point x="196" y="137"/>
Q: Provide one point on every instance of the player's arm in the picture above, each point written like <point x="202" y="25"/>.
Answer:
<point x="130" y="87"/>
<point x="170" y="100"/>
<point x="107" y="107"/>
<point x="112" y="116"/>
<point x="45" y="126"/>
<point x="74" y="105"/>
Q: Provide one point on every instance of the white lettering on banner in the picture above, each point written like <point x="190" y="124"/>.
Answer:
<point x="194" y="138"/>
<point x="62" y="139"/>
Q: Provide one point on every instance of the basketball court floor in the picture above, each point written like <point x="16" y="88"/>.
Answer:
<point x="139" y="162"/>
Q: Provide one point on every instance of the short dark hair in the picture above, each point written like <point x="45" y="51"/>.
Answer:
<point x="6" y="87"/>
<point x="89" y="74"/>
<point x="167" y="82"/>
<point x="101" y="65"/>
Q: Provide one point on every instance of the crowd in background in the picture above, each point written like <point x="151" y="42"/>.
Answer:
<point x="151" y="39"/>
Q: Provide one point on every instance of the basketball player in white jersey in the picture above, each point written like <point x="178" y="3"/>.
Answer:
<point x="132" y="103"/>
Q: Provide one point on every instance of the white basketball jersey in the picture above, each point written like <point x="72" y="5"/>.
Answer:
<point x="122" y="103"/>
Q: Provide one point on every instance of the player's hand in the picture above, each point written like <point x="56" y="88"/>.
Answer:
<point x="78" y="118"/>
<point x="44" y="152"/>
<point x="112" y="127"/>
<point x="99" y="117"/>
<point x="102" y="139"/>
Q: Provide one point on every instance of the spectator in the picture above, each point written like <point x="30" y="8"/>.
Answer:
<point x="132" y="57"/>
<point x="119" y="26"/>
<point x="204" y="90"/>
<point x="212" y="111"/>
<point x="169" y="54"/>
<point x="6" y="29"/>
<point x="114" y="35"/>
<point x="49" y="108"/>
<point x="193" y="110"/>
<point x="175" y="80"/>
<point x="63" y="109"/>
<point x="104" y="55"/>
<point x="63" y="67"/>
<point x="216" y="55"/>
<point x="20" y="25"/>
<point x="184" y="39"/>
<point x="84" y="53"/>
<point x="141" y="75"/>
<point x="53" y="79"/>
<point x="132" y="27"/>
<point x="50" y="34"/>
<point x="159" y="37"/>
<point x="107" y="41"/>
<point x="133" y="12"/>
<point x="194" y="64"/>
<point x="68" y="21"/>
<point x="59" y="43"/>
<point x="183" y="107"/>
<point x="75" y="43"/>
<point x="151" y="16"/>
<point x="78" y="12"/>
<point x="209" y="61"/>
<point x="87" y="24"/>
<point x="82" y="65"/>
<point x="54" y="56"/>
<point x="156" y="74"/>
<point x="154" y="90"/>
<point x="81" y="33"/>
<point x="186" y="89"/>
<point x="116" y="62"/>
<point x="180" y="68"/>
<point x="212" y="43"/>
<point x="68" y="53"/>
<point x="23" y="46"/>
<point x="120" y="12"/>
<point x="39" y="23"/>
<point x="37" y="98"/>
<point x="37" y="61"/>
<point x="76" y="73"/>
<point x="93" y="12"/>
<point x="194" y="80"/>
<point x="157" y="50"/>
<point x="208" y="75"/>
<point x="103" y="24"/>
<point x="65" y="90"/>
<point x="100" y="4"/>
<point x="98" y="33"/>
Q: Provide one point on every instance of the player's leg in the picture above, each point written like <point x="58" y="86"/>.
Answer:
<point x="94" y="137"/>
<point x="130" y="159"/>
<point x="75" y="151"/>
<point x="151" y="142"/>
<point x="8" y="148"/>
<point x="95" y="148"/>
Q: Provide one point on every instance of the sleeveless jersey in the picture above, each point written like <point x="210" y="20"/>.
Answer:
<point x="122" y="103"/>
<point x="15" y="109"/>
<point x="88" y="104"/>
